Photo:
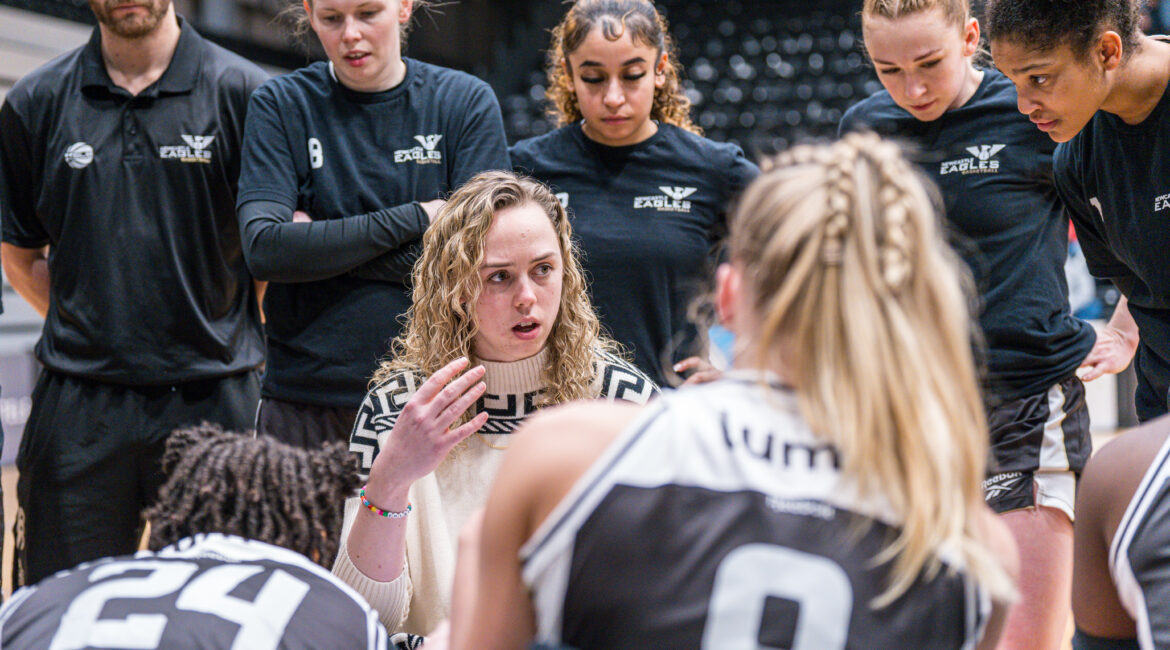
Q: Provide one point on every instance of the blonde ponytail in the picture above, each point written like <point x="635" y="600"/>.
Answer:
<point x="863" y="306"/>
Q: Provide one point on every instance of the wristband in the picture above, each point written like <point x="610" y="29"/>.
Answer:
<point x="380" y="512"/>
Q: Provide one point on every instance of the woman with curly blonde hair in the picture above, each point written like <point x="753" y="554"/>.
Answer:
<point x="498" y="289"/>
<point x="646" y="192"/>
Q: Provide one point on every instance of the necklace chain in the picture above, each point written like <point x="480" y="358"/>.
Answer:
<point x="480" y="437"/>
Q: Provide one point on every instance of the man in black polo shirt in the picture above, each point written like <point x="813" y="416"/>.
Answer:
<point x="120" y="162"/>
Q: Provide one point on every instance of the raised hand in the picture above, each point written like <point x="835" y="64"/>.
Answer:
<point x="422" y="436"/>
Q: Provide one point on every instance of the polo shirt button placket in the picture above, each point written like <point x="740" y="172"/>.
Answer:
<point x="130" y="131"/>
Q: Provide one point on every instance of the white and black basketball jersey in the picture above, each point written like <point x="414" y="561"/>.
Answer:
<point x="1139" y="556"/>
<point x="208" y="591"/>
<point x="719" y="520"/>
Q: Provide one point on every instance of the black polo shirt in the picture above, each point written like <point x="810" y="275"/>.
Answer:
<point x="1115" y="179"/>
<point x="135" y="196"/>
<point x="994" y="170"/>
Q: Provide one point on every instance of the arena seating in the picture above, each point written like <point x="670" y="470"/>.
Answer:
<point x="762" y="74"/>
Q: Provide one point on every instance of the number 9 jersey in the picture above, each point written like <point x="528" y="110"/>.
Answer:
<point x="208" y="591"/>
<point x="719" y="520"/>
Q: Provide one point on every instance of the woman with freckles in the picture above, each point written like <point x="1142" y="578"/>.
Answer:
<point x="994" y="171"/>
<point x="500" y="326"/>
<point x="647" y="194"/>
<point x="344" y="166"/>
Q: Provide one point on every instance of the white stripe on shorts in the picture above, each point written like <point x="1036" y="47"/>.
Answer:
<point x="1053" y="455"/>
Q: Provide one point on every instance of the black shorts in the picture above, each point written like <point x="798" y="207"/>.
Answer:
<point x="89" y="461"/>
<point x="304" y="425"/>
<point x="1042" y="434"/>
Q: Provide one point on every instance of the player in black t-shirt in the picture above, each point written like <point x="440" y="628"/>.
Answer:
<point x="994" y="173"/>
<point x="120" y="161"/>
<point x="232" y="535"/>
<point x="648" y="195"/>
<point x="1121" y="579"/>
<point x="1088" y="78"/>
<point x="344" y="165"/>
<point x="818" y="496"/>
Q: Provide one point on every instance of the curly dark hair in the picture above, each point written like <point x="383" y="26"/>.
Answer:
<point x="1046" y="24"/>
<point x="226" y="482"/>
<point x="646" y="26"/>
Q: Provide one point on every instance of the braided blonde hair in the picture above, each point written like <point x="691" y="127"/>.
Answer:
<point x="956" y="11"/>
<point x="864" y="307"/>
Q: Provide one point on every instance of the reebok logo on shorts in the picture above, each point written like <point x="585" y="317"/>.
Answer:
<point x="425" y="154"/>
<point x="982" y="161"/>
<point x="672" y="199"/>
<point x="1001" y="484"/>
<point x="197" y="149"/>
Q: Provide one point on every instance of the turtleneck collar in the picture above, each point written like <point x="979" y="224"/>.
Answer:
<point x="515" y="377"/>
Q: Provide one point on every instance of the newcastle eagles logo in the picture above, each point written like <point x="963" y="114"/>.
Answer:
<point x="197" y="149"/>
<point x="672" y="199"/>
<point x="985" y="152"/>
<point x="983" y="162"/>
<point x="425" y="154"/>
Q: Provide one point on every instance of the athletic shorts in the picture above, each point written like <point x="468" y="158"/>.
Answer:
<point x="1039" y="446"/>
<point x="307" y="426"/>
<point x="89" y="461"/>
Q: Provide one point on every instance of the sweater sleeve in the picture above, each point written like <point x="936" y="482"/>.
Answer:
<point x="376" y="417"/>
<point x="619" y="380"/>
<point x="391" y="599"/>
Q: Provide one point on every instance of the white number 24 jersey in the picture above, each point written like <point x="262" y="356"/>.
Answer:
<point x="208" y="591"/>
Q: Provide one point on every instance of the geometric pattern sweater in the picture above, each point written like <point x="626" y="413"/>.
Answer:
<point x="444" y="500"/>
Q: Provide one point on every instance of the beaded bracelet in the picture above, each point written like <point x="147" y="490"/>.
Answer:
<point x="378" y="511"/>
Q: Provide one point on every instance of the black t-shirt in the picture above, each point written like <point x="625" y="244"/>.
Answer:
<point x="135" y="196"/>
<point x="994" y="170"/>
<point x="312" y="144"/>
<point x="207" y="591"/>
<point x="647" y="218"/>
<point x="1116" y="183"/>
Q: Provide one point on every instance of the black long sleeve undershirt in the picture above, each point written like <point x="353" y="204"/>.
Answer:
<point x="279" y="250"/>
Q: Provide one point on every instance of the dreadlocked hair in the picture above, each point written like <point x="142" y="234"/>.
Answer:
<point x="1042" y="25"/>
<point x="226" y="482"/>
<point x="647" y="26"/>
<point x="863" y="306"/>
